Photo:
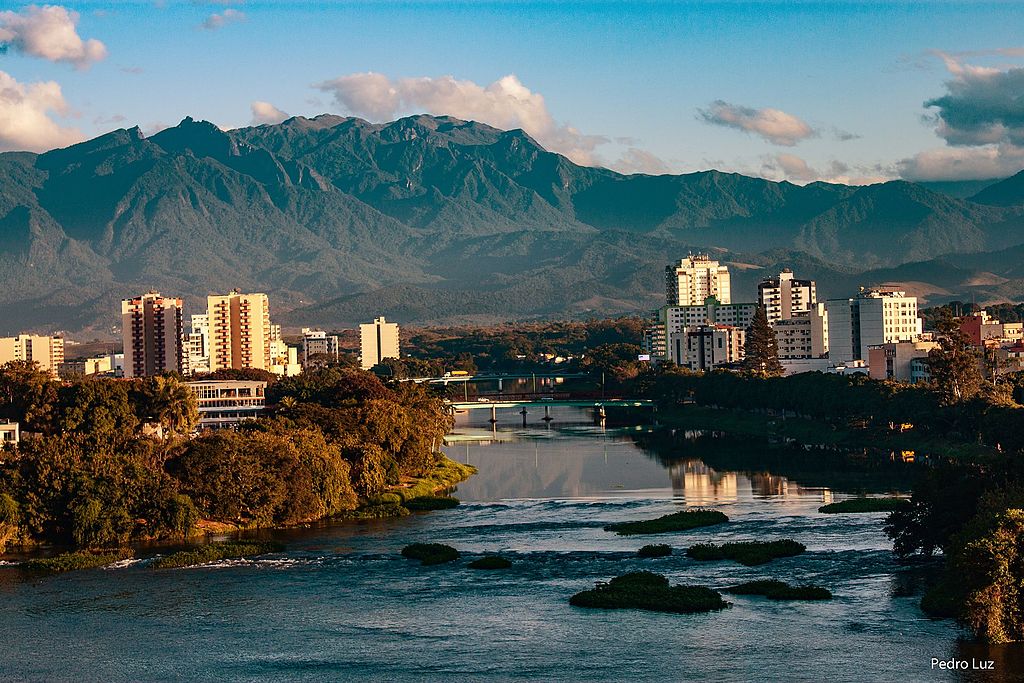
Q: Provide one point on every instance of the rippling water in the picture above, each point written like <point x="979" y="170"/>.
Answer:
<point x="341" y="604"/>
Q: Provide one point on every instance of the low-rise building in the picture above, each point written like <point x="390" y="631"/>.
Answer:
<point x="981" y="329"/>
<point x="705" y="347"/>
<point x="319" y="343"/>
<point x="894" y="360"/>
<point x="10" y="435"/>
<point x="111" y="365"/>
<point x="225" y="403"/>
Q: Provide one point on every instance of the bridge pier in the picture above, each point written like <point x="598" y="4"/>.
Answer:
<point x="494" y="414"/>
<point x="547" y="414"/>
<point x="523" y="412"/>
<point x="599" y="414"/>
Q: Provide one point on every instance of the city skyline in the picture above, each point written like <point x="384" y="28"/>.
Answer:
<point x="923" y="91"/>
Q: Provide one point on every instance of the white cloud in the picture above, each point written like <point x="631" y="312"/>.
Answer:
<point x="796" y="169"/>
<point x="25" y="122"/>
<point x="506" y="103"/>
<point x="49" y="32"/>
<point x="635" y="160"/>
<point x="265" y="112"/>
<point x="774" y="125"/>
<point x="219" y="21"/>
<point x="980" y="118"/>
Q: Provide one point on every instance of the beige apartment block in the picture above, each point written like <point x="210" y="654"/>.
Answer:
<point x="151" y="329"/>
<point x="239" y="331"/>
<point x="46" y="352"/>
<point x="693" y="279"/>
<point x="377" y="340"/>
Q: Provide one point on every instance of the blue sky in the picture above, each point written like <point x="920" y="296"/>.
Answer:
<point x="797" y="90"/>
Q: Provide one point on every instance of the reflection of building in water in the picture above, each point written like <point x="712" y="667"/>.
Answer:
<point x="699" y="483"/>
<point x="765" y="484"/>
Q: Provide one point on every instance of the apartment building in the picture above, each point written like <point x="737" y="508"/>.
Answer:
<point x="672" y="321"/>
<point x="705" y="347"/>
<point x="197" y="344"/>
<point x="693" y="279"/>
<point x="377" y="340"/>
<point x="784" y="297"/>
<point x="981" y="329"/>
<point x="46" y="352"/>
<point x="319" y="343"/>
<point x="895" y="360"/>
<point x="151" y="329"/>
<point x="239" y="331"/>
<point x="873" y="317"/>
<point x="804" y="335"/>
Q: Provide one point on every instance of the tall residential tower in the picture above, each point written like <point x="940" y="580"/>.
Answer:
<point x="377" y="340"/>
<point x="151" y="329"/>
<point x="239" y="331"/>
<point x="696" y="277"/>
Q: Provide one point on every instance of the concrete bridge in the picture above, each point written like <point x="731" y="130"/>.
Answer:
<point x="600" y="406"/>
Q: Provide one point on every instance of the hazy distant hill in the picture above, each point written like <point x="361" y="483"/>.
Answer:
<point x="433" y="218"/>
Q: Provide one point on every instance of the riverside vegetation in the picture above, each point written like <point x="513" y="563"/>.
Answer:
<point x="749" y="553"/>
<point x="677" y="521"/>
<point x="89" y="474"/>
<point x="651" y="592"/>
<point x="779" y="590"/>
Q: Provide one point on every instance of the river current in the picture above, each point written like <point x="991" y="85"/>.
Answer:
<point x="342" y="605"/>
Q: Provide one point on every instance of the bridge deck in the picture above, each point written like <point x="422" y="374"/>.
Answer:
<point x="476" y="405"/>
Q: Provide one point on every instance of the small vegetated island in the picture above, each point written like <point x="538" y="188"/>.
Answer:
<point x="779" y="590"/>
<point x="213" y="552"/>
<point x="677" y="521"/>
<point x="107" y="462"/>
<point x="430" y="553"/>
<point x="750" y="553"/>
<point x="651" y="592"/>
<point x="490" y="562"/>
<point x="858" y="505"/>
<point x="655" y="550"/>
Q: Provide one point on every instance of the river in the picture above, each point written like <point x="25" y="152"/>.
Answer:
<point x="342" y="605"/>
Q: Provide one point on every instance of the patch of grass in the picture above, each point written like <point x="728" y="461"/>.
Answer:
<point x="432" y="503"/>
<point x="430" y="553"/>
<point x="445" y="474"/>
<point x="779" y="590"/>
<point x="213" y="552"/>
<point x="677" y="521"/>
<point x="656" y="550"/>
<point x="490" y="562"/>
<point x="749" y="553"/>
<point x="651" y="592"/>
<point x="69" y="562"/>
<point x="851" y="505"/>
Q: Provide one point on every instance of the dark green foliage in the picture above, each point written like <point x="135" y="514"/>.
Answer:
<point x="761" y="349"/>
<point x="677" y="521"/>
<point x="73" y="561"/>
<point x="490" y="562"/>
<point x="656" y="550"/>
<point x="430" y="553"/>
<point x="432" y="503"/>
<point x="374" y="512"/>
<point x="779" y="590"/>
<point x="853" y="505"/>
<point x="651" y="592"/>
<point x="749" y="553"/>
<point x="212" y="552"/>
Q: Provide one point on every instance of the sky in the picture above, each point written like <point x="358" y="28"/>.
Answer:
<point x="854" y="92"/>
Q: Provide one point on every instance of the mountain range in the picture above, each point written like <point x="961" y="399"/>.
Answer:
<point x="433" y="219"/>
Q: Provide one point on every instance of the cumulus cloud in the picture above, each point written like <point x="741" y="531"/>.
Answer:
<point x="49" y="32"/>
<point x="25" y="122"/>
<point x="635" y="160"/>
<point x="215" y="22"/>
<point x="506" y="103"/>
<point x="981" y="119"/>
<point x="774" y="125"/>
<point x="265" y="112"/>
<point x="796" y="169"/>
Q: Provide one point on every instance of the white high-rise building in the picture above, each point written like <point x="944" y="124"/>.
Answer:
<point x="377" y="340"/>
<point x="197" y="344"/>
<point x="804" y="335"/>
<point x="318" y="343"/>
<point x="784" y="297"/>
<point x="694" y="279"/>
<point x="873" y="317"/>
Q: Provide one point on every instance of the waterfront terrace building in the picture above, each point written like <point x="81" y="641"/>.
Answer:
<point x="696" y="277"/>
<point x="784" y="297"/>
<point x="377" y="340"/>
<point x="225" y="403"/>
<point x="873" y="317"/>
<point x="151" y="330"/>
<point x="239" y="331"/>
<point x="46" y="352"/>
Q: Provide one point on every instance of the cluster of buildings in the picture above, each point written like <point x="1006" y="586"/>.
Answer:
<point x="876" y="331"/>
<point x="234" y="333"/>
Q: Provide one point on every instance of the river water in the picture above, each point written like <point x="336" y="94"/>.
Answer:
<point x="342" y="605"/>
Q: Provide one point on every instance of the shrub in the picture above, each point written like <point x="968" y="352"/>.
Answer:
<point x="749" y="553"/>
<point x="651" y="592"/>
<point x="778" y="590"/>
<point x="432" y="503"/>
<point x="72" y="561"/>
<point x="677" y="521"/>
<point x="374" y="512"/>
<point x="386" y="499"/>
<point x="656" y="550"/>
<point x="852" y="505"/>
<point x="490" y="562"/>
<point x="216" y="551"/>
<point x="430" y="553"/>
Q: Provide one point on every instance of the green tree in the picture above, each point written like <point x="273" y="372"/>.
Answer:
<point x="167" y="401"/>
<point x="761" y="350"/>
<point x="28" y="395"/>
<point x="955" y="366"/>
